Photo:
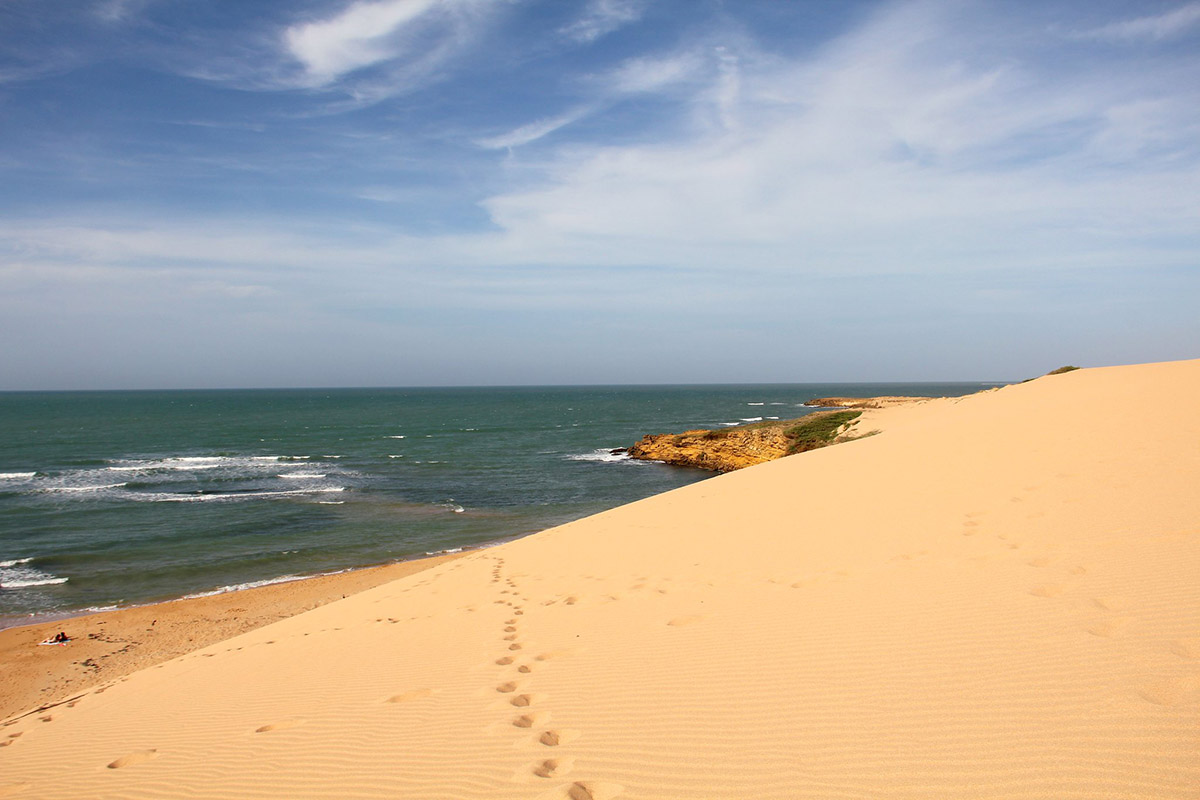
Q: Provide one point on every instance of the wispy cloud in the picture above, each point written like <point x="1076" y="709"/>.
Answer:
<point x="1154" y="27"/>
<point x="533" y="131"/>
<point x="115" y="11"/>
<point x="602" y="17"/>
<point x="654" y="73"/>
<point x="912" y="128"/>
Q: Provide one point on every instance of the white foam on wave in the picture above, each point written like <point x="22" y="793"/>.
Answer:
<point x="237" y="587"/>
<point x="17" y="574"/>
<point x="729" y="424"/>
<point x="95" y="488"/>
<point x="751" y="419"/>
<point x="227" y="496"/>
<point x="195" y="463"/>
<point x="397" y="437"/>
<point x="16" y="476"/>
<point x="299" y="475"/>
<point x="446" y="552"/>
<point x="604" y="455"/>
<point x="754" y="404"/>
<point x="10" y="583"/>
<point x="778" y="404"/>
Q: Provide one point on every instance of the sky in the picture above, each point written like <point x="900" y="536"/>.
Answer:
<point x="510" y="192"/>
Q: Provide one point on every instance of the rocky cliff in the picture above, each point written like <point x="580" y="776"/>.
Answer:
<point x="744" y="446"/>
<point x="886" y="401"/>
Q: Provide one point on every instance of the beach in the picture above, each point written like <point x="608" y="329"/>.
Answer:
<point x="995" y="596"/>
<point x="111" y="644"/>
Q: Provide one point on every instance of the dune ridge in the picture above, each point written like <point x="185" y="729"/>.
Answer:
<point x="995" y="597"/>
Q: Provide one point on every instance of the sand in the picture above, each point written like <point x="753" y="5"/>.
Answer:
<point x="995" y="597"/>
<point x="111" y="644"/>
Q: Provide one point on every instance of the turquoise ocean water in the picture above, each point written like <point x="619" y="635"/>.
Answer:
<point x="118" y="498"/>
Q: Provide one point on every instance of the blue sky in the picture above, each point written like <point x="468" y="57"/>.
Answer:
<point x="448" y="192"/>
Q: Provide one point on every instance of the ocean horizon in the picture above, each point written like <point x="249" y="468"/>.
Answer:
<point x="110" y="498"/>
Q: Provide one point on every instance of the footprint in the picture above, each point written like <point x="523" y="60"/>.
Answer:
<point x="570" y="601"/>
<point x="553" y="767"/>
<point x="594" y="790"/>
<point x="1109" y="628"/>
<point x="512" y="637"/>
<point x="553" y="654"/>
<point x="1171" y="691"/>
<point x="507" y="687"/>
<point x="414" y="694"/>
<point x="686" y="619"/>
<point x="133" y="758"/>
<point x="531" y="720"/>
<point x="1047" y="590"/>
<point x="555" y="738"/>
<point x="1186" y="648"/>
<point x="525" y="668"/>
<point x="504" y="661"/>
<point x="280" y="726"/>
<point x="510" y="628"/>
<point x="525" y="700"/>
<point x="514" y="646"/>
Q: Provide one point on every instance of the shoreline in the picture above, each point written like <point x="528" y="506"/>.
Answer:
<point x="8" y="622"/>
<point x="108" y="645"/>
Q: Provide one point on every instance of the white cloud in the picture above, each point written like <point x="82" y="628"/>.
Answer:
<point x="421" y="33"/>
<point x="1160" y="26"/>
<point x="602" y="17"/>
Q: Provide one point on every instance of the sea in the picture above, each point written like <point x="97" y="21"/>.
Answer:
<point x="111" y="499"/>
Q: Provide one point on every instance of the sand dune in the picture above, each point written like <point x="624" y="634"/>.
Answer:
<point x="995" y="597"/>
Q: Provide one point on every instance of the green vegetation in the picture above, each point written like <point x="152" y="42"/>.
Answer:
<point x="1061" y="370"/>
<point x="817" y="430"/>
